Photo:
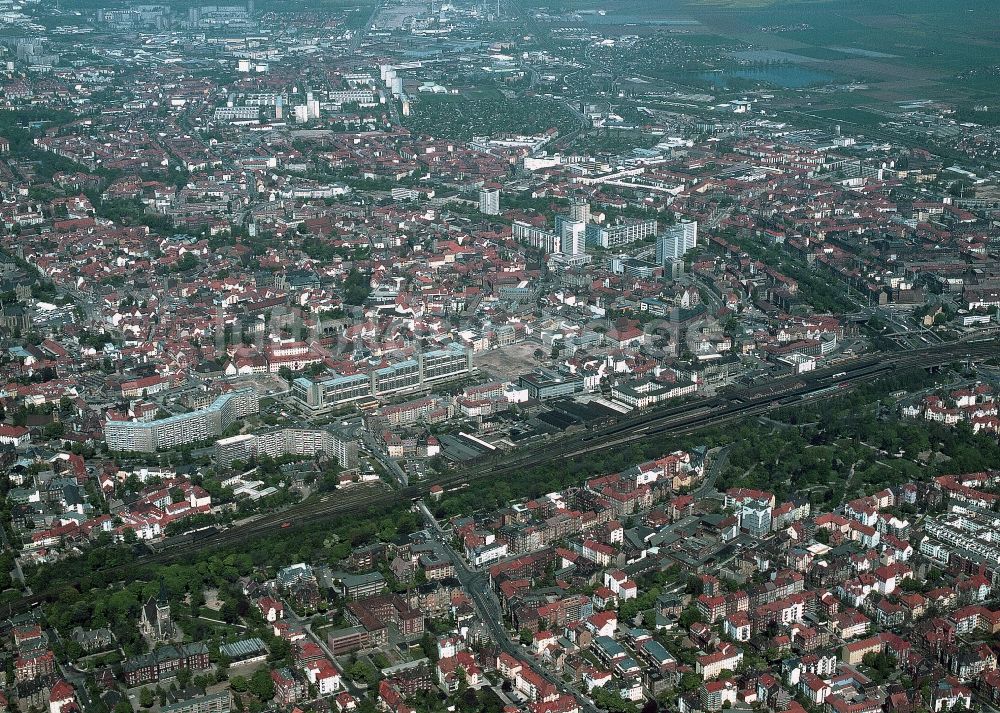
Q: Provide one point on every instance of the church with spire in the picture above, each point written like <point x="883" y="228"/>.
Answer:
<point x="154" y="619"/>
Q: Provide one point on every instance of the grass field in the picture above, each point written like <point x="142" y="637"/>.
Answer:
<point x="821" y="53"/>
<point x="902" y="49"/>
<point x="852" y="116"/>
<point x="486" y="113"/>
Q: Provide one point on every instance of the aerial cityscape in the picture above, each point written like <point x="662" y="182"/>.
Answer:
<point x="500" y="356"/>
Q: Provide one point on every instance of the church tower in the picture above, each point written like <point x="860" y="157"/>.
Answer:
<point x="163" y="623"/>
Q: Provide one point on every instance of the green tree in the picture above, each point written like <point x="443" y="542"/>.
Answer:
<point x="262" y="685"/>
<point x="612" y="701"/>
<point x="357" y="287"/>
<point x="689" y="682"/>
<point x="363" y="673"/>
<point x="429" y="646"/>
<point x="525" y="637"/>
<point x="689" y="616"/>
<point x="147" y="697"/>
<point x="183" y="677"/>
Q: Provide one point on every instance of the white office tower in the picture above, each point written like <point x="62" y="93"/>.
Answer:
<point x="301" y="114"/>
<point x="579" y="211"/>
<point x="312" y="106"/>
<point x="489" y="201"/>
<point x="678" y="240"/>
<point x="396" y="86"/>
<point x="573" y="234"/>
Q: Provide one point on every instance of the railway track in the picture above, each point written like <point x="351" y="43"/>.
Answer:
<point x="746" y="402"/>
<point x="677" y="420"/>
<point x="672" y="421"/>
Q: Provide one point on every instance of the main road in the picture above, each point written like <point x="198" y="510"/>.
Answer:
<point x="477" y="585"/>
